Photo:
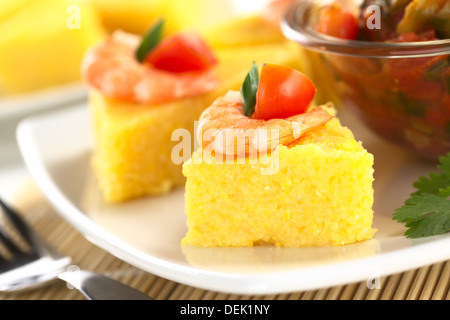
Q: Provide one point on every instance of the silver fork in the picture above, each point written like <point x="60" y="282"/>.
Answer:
<point x="27" y="268"/>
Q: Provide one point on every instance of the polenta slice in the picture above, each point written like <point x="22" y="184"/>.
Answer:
<point x="135" y="16"/>
<point x="277" y="171"/>
<point x="320" y="195"/>
<point x="43" y="42"/>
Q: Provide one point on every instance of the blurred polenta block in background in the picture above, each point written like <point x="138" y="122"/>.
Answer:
<point x="136" y="16"/>
<point x="42" y="42"/>
<point x="223" y="23"/>
<point x="248" y="29"/>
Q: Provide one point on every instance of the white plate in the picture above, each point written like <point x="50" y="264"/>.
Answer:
<point x="41" y="100"/>
<point x="147" y="232"/>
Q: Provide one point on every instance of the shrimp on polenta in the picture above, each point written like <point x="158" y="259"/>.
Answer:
<point x="225" y="122"/>
<point x="313" y="190"/>
<point x="179" y="66"/>
<point x="225" y="127"/>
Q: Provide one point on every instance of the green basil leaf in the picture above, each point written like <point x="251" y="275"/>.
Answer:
<point x="150" y="40"/>
<point x="248" y="90"/>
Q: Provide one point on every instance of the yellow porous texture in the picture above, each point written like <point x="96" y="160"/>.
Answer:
<point x="320" y="194"/>
<point x="132" y="155"/>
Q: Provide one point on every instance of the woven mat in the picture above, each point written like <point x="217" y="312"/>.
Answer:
<point x="428" y="283"/>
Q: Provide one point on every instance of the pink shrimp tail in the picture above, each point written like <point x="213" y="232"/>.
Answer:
<point x="112" y="68"/>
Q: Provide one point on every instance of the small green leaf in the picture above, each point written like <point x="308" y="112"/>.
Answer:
<point x="419" y="206"/>
<point x="433" y="225"/>
<point x="444" y="163"/>
<point x="150" y="40"/>
<point x="427" y="211"/>
<point x="432" y="184"/>
<point x="248" y="90"/>
<point x="435" y="180"/>
<point x="444" y="192"/>
<point x="425" y="215"/>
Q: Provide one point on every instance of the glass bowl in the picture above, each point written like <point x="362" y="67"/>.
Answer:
<point x="401" y="91"/>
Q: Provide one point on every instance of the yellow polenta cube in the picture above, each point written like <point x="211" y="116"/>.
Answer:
<point x="133" y="142"/>
<point x="42" y="43"/>
<point x="133" y="148"/>
<point x="136" y="16"/>
<point x="243" y="30"/>
<point x="318" y="192"/>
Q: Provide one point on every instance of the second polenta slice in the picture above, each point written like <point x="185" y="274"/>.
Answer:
<point x="280" y="172"/>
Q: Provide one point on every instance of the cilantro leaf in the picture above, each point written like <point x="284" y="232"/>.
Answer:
<point x="427" y="211"/>
<point x="435" y="181"/>
<point x="425" y="215"/>
<point x="248" y="90"/>
<point x="445" y="163"/>
<point x="432" y="184"/>
<point x="150" y="40"/>
<point x="444" y="192"/>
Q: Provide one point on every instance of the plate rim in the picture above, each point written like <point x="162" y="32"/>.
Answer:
<point x="328" y="275"/>
<point x="27" y="103"/>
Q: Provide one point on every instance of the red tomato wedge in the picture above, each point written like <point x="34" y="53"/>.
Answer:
<point x="335" y="22"/>
<point x="283" y="92"/>
<point x="182" y="52"/>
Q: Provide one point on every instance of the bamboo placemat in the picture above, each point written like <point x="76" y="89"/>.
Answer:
<point x="428" y="283"/>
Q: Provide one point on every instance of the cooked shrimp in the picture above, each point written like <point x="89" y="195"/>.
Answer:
<point x="224" y="128"/>
<point x="111" y="67"/>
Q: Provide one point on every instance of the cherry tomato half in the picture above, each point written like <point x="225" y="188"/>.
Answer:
<point x="336" y="22"/>
<point x="282" y="92"/>
<point x="182" y="52"/>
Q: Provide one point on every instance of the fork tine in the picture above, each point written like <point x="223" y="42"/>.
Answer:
<point x="18" y="255"/>
<point x="8" y="243"/>
<point x="16" y="261"/>
<point x="21" y="226"/>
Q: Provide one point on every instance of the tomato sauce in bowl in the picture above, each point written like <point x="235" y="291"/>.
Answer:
<point x="396" y="77"/>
